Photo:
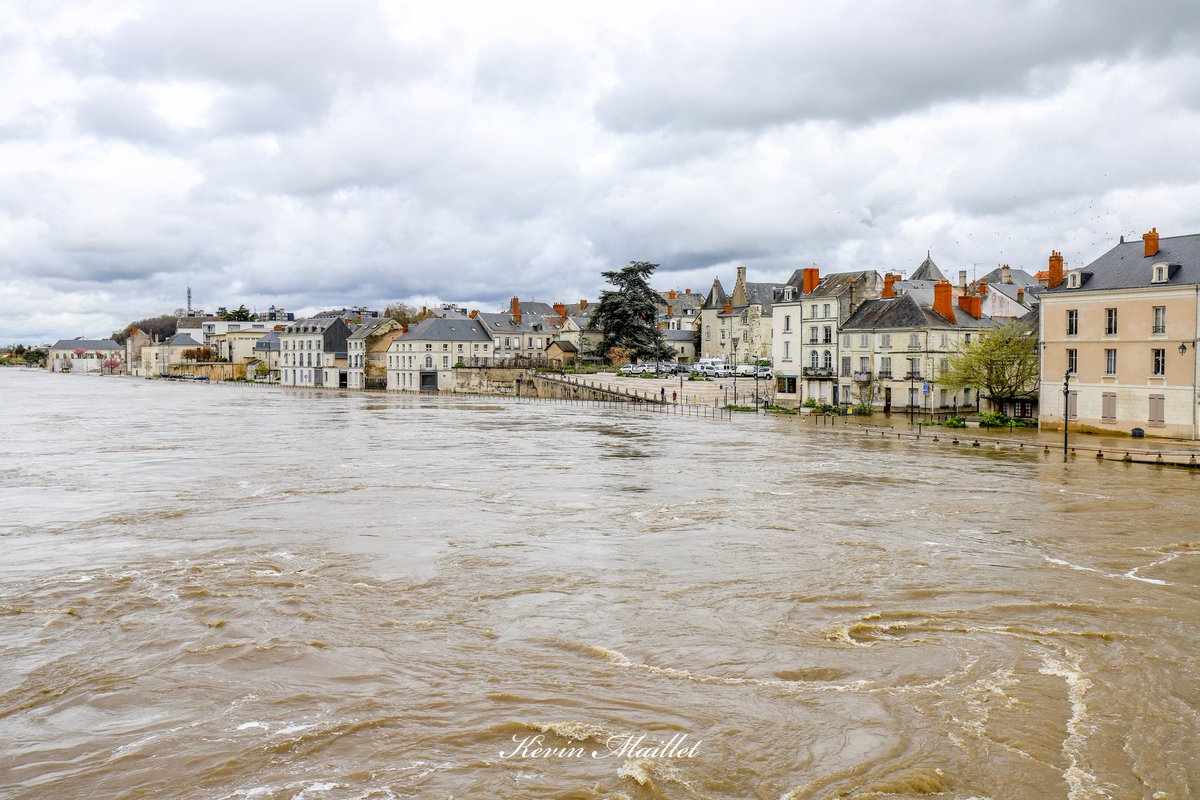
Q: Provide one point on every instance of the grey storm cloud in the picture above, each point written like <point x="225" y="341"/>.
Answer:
<point x="312" y="154"/>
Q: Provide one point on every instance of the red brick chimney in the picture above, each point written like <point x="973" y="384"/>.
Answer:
<point x="812" y="278"/>
<point x="582" y="305"/>
<point x="1021" y="294"/>
<point x="889" y="290"/>
<point x="516" y="310"/>
<point x="1056" y="270"/>
<point x="728" y="308"/>
<point x="671" y="295"/>
<point x="943" y="302"/>
<point x="560" y="309"/>
<point x="405" y="329"/>
<point x="670" y="309"/>
<point x="972" y="304"/>
<point x="279" y="328"/>
<point x="983" y="289"/>
<point x="687" y="291"/>
<point x="1151" y="240"/>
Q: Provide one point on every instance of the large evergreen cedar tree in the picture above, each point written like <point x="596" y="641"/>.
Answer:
<point x="628" y="315"/>
<point x="1002" y="362"/>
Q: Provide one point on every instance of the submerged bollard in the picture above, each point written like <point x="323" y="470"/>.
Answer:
<point x="1100" y="454"/>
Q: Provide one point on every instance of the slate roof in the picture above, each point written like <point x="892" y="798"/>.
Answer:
<point x="503" y="323"/>
<point x="837" y="283"/>
<point x="1125" y="266"/>
<point x="268" y="343"/>
<point x="537" y="308"/>
<point x="87" y="344"/>
<point x="564" y="346"/>
<point x="716" y="296"/>
<point x="182" y="340"/>
<point x="370" y="328"/>
<point x="928" y="271"/>
<point x="679" y="336"/>
<point x="763" y="294"/>
<point x="311" y="325"/>
<point x="905" y="311"/>
<point x="453" y="329"/>
<point x="1019" y="278"/>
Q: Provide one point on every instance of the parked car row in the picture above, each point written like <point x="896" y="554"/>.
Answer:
<point x="708" y="370"/>
<point x="663" y="368"/>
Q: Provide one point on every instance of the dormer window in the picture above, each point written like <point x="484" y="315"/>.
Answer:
<point x="1073" y="280"/>
<point x="1161" y="273"/>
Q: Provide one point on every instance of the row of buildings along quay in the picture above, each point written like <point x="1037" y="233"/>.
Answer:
<point x="1121" y="333"/>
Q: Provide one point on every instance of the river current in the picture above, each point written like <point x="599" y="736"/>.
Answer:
<point x="234" y="592"/>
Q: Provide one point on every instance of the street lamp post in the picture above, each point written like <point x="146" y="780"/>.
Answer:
<point x="1066" y="409"/>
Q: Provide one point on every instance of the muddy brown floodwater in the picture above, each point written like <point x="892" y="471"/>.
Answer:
<point x="219" y="592"/>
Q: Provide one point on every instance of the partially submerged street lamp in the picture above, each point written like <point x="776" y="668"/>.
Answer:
<point x="1066" y="409"/>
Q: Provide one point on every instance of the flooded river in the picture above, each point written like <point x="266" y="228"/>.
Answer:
<point x="224" y="592"/>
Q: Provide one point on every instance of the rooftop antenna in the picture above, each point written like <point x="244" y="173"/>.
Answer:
<point x="189" y="303"/>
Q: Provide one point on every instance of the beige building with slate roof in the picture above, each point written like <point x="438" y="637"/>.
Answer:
<point x="1125" y="327"/>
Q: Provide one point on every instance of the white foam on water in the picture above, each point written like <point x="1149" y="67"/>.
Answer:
<point x="293" y="729"/>
<point x="319" y="787"/>
<point x="1081" y="785"/>
<point x="247" y="725"/>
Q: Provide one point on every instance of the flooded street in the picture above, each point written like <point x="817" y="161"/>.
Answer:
<point x="225" y="592"/>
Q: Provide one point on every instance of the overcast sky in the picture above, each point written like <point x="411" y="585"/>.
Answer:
<point x="325" y="154"/>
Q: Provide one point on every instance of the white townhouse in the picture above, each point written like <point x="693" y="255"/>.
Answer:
<point x="309" y="352"/>
<point x="424" y="358"/>
<point x="804" y="339"/>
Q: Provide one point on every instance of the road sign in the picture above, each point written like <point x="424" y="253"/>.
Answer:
<point x="925" y="389"/>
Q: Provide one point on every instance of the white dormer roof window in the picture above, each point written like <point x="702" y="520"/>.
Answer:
<point x="1073" y="280"/>
<point x="1162" y="273"/>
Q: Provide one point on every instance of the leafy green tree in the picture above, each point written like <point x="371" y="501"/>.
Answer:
<point x="1002" y="362"/>
<point x="628" y="315"/>
<point x="402" y="313"/>
<point x="239" y="314"/>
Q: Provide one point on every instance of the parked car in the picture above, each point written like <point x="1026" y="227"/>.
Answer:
<point x="631" y="369"/>
<point x="764" y="374"/>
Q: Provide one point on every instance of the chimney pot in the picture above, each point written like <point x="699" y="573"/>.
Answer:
<point x="516" y="309"/>
<point x="687" y="291"/>
<point x="474" y="313"/>
<point x="1151" y="240"/>
<point x="671" y="295"/>
<point x="1021" y="295"/>
<point x="962" y="279"/>
<point x="728" y="308"/>
<point x="582" y="305"/>
<point x="812" y="278"/>
<point x="971" y="304"/>
<point x="1006" y="274"/>
<point x="983" y="289"/>
<point x="943" y="304"/>
<point x="1056" y="270"/>
<point x="889" y="290"/>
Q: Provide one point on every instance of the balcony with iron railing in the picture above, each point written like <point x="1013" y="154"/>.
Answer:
<point x="885" y="374"/>
<point x="862" y="375"/>
<point x="1158" y="329"/>
<point x="912" y="376"/>
<point x="818" y="372"/>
